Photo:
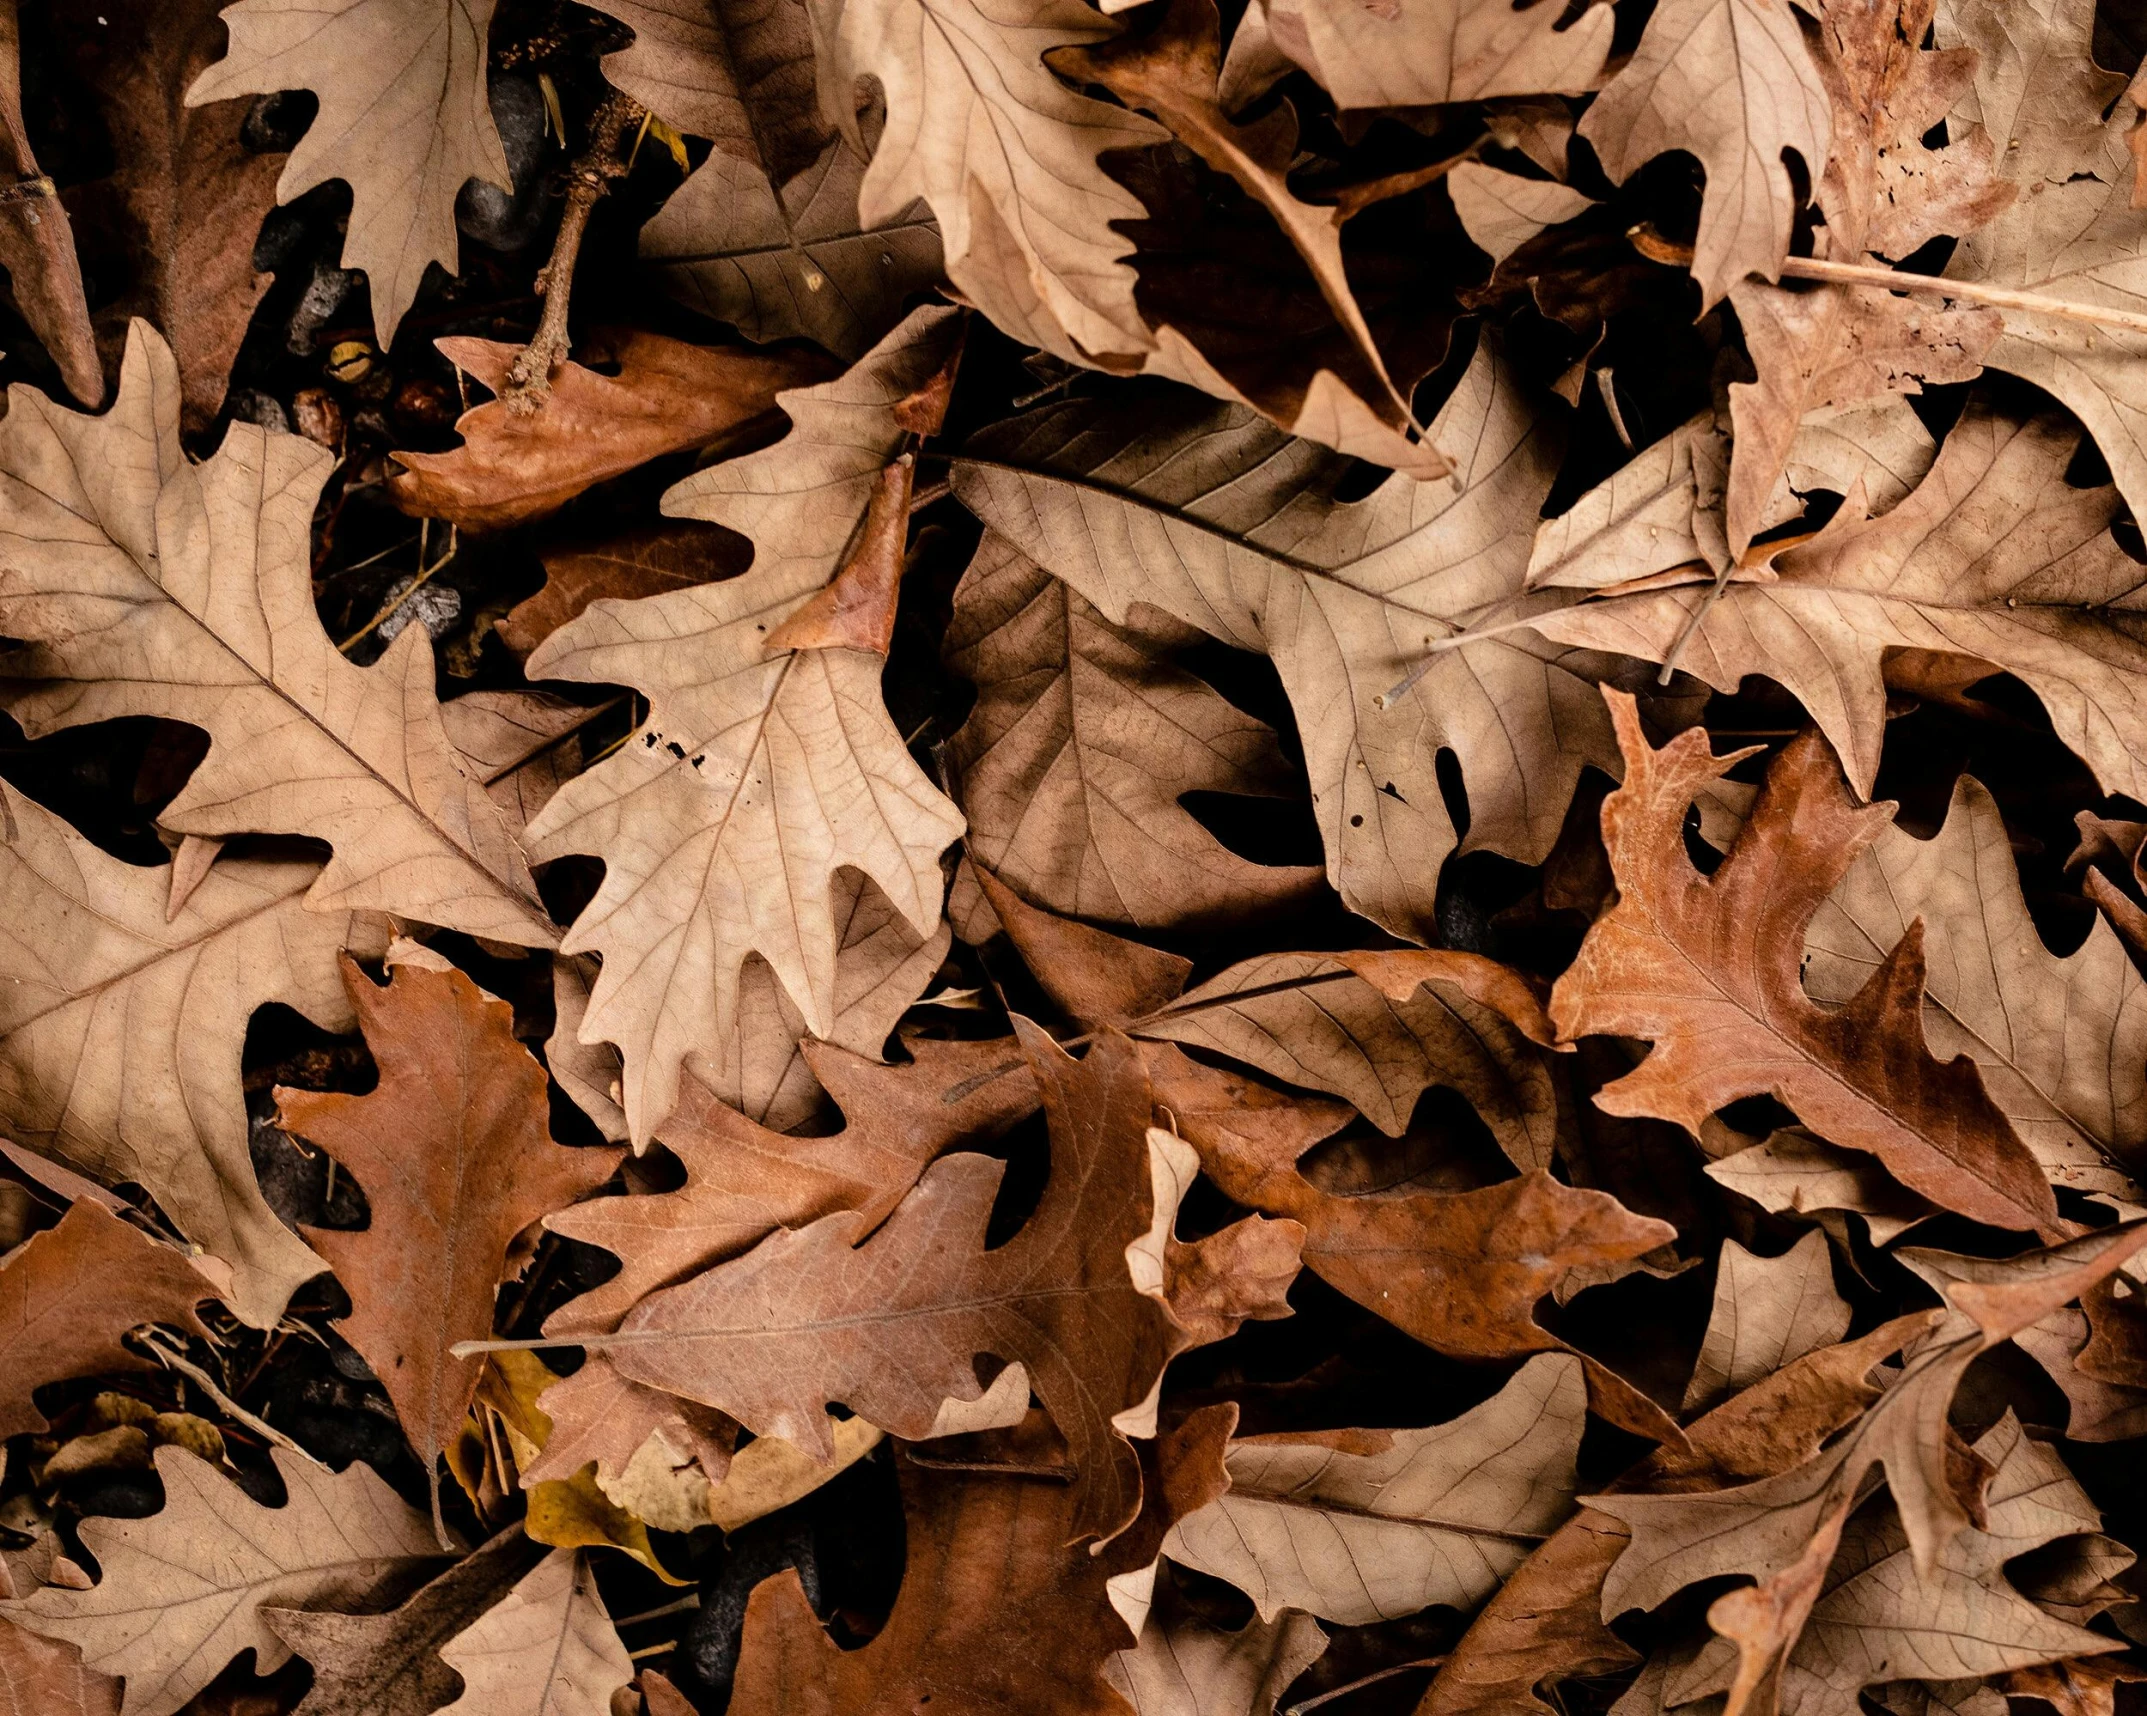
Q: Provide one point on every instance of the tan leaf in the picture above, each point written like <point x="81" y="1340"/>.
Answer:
<point x="121" y="1030"/>
<point x="1707" y="969"/>
<point x="1358" y="1526"/>
<point x="1795" y="1173"/>
<point x="1084" y="739"/>
<point x="183" y="183"/>
<point x="1418" y="53"/>
<point x="701" y="873"/>
<point x="1995" y="556"/>
<point x="1544" y="1624"/>
<point x="812" y="1315"/>
<point x="1183" y="1667"/>
<point x="202" y="1568"/>
<point x="2039" y="103"/>
<point x="2062" y="1042"/>
<point x="1768" y="1312"/>
<point x="514" y="466"/>
<point x="524" y="745"/>
<point x="548" y="1646"/>
<point x="647" y="562"/>
<point x="37" y="242"/>
<point x="453" y="1153"/>
<point x="1885" y="194"/>
<point x="147" y="585"/>
<point x="69" y="1293"/>
<point x="1503" y="211"/>
<point x="1343" y="598"/>
<point x="1732" y="83"/>
<point x="403" y="120"/>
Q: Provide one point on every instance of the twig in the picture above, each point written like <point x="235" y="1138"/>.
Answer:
<point x="678" y="1608"/>
<point x="231" y="1409"/>
<point x="394" y="602"/>
<point x="529" y="377"/>
<point x="1372" y="1679"/>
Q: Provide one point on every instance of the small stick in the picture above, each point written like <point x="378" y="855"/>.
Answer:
<point x="231" y="1409"/>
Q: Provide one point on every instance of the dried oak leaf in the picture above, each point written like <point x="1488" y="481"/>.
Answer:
<point x="388" y="1664"/>
<point x="1768" y="1313"/>
<point x="1084" y="740"/>
<point x="1207" y="519"/>
<point x="43" y="1677"/>
<point x="404" y="120"/>
<point x="182" y="1591"/>
<point x="745" y="1181"/>
<point x="1885" y="194"/>
<point x="524" y="745"/>
<point x="455" y="1156"/>
<point x="1417" y="53"/>
<point x="1187" y="1666"/>
<point x="759" y="775"/>
<point x="69" y="1293"/>
<point x="514" y="466"/>
<point x="1545" y="1625"/>
<point x="1082" y="1296"/>
<point x="173" y="216"/>
<point x="1706" y="968"/>
<point x="1993" y="557"/>
<point x="1876" y="1620"/>
<point x="1783" y="1531"/>
<point x="1732" y="83"/>
<point x="999" y="1610"/>
<point x="143" y="584"/>
<point x="765" y="234"/>
<point x="1003" y="153"/>
<point x="1357" y="1526"/>
<point x="1792" y="1172"/>
<point x="2062" y="1042"/>
<point x="122" y="1024"/>
<point x="648" y="562"/>
<point x="547" y="1646"/>
<point x="2038" y="103"/>
<point x="37" y="242"/>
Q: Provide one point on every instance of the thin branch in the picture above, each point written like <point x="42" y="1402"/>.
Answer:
<point x="230" y="1408"/>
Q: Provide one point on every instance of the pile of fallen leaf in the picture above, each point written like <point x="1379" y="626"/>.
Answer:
<point x="1013" y="858"/>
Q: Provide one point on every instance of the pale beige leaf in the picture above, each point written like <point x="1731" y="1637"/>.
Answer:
<point x="1358" y="1526"/>
<point x="1502" y="211"/>
<point x="1661" y="509"/>
<point x="1768" y="1311"/>
<point x="404" y="120"/>
<point x="1004" y="154"/>
<point x="548" y="1648"/>
<point x="1084" y="739"/>
<point x="768" y="1472"/>
<point x="2039" y="100"/>
<point x="724" y="823"/>
<point x="1417" y="53"/>
<point x="521" y="744"/>
<point x="181" y="1591"/>
<point x="121" y="1031"/>
<point x="1795" y="1173"/>
<point x="1344" y="599"/>
<point x="143" y="584"/>
<point x="1995" y="557"/>
<point x="1184" y="1668"/>
<point x="2062" y="1041"/>
<point x="1732" y="83"/>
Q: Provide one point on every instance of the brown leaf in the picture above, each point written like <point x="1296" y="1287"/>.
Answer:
<point x="856" y="608"/>
<point x="37" y="242"/>
<point x="171" y="218"/>
<point x="455" y="1158"/>
<point x="514" y="466"/>
<point x="42" y="1677"/>
<point x="646" y="562"/>
<point x="998" y="1611"/>
<point x="524" y="745"/>
<point x="1706" y="967"/>
<point x="548" y="1646"/>
<point x="388" y="1665"/>
<point x="1768" y="1313"/>
<point x="1084" y="740"/>
<point x="69" y="1294"/>
<point x="182" y="1591"/>
<point x="208" y="563"/>
<point x="823" y="1313"/>
<point x="744" y="1182"/>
